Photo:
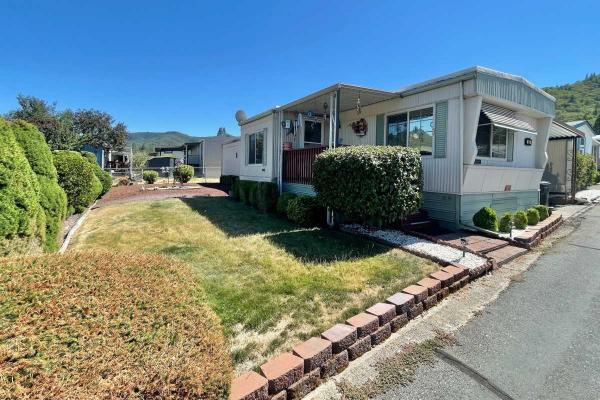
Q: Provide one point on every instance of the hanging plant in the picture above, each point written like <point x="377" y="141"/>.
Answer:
<point x="360" y="127"/>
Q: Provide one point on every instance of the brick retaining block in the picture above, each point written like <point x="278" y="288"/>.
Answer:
<point x="415" y="310"/>
<point x="402" y="301"/>
<point x="359" y="348"/>
<point x="381" y="335"/>
<point x="249" y="386"/>
<point x="304" y="386"/>
<point x="364" y="323"/>
<point x="279" y="396"/>
<point x="429" y="302"/>
<point x="282" y="371"/>
<point x="314" y="352"/>
<point x="336" y="364"/>
<point x="384" y="311"/>
<point x="341" y="337"/>
<point x="399" y="322"/>
<point x="442" y="294"/>
<point x="433" y="285"/>
<point x="445" y="278"/>
<point x="419" y="292"/>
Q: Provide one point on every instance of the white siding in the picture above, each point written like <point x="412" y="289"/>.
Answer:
<point x="231" y="158"/>
<point x="266" y="171"/>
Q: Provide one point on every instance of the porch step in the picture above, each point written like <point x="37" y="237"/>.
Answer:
<point x="474" y="243"/>
<point x="505" y="254"/>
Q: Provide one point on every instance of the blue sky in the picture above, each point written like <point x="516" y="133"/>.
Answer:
<point x="189" y="65"/>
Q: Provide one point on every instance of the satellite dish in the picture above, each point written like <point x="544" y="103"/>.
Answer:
<point x="240" y="116"/>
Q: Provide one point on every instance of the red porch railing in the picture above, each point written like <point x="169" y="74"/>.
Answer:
<point x="298" y="164"/>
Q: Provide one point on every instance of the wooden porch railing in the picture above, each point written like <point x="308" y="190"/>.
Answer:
<point x="298" y="164"/>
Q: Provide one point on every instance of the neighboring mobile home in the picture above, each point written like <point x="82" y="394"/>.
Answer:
<point x="561" y="167"/>
<point x="590" y="143"/>
<point x="230" y="161"/>
<point x="482" y="135"/>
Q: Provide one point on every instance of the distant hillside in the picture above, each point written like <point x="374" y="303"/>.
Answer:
<point x="153" y="139"/>
<point x="579" y="100"/>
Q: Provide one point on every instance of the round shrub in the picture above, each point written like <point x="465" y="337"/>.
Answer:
<point x="150" y="176"/>
<point x="109" y="325"/>
<point x="533" y="216"/>
<point x="21" y="216"/>
<point x="53" y="199"/>
<point x="77" y="178"/>
<point x="306" y="211"/>
<point x="104" y="177"/>
<point x="520" y="219"/>
<point x="183" y="173"/>
<point x="505" y="223"/>
<point x="543" y="210"/>
<point x="370" y="183"/>
<point x="283" y="201"/>
<point x="486" y="219"/>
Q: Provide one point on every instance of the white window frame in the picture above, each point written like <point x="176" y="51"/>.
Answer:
<point x="408" y="111"/>
<point x="247" y="146"/>
<point x="321" y="121"/>
<point x="490" y="157"/>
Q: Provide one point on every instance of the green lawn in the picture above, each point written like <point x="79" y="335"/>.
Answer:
<point x="271" y="282"/>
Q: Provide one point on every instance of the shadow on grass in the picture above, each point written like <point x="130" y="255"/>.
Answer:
<point x="310" y="245"/>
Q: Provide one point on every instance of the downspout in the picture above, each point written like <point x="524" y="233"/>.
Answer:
<point x="333" y="113"/>
<point x="280" y="152"/>
<point x="461" y="127"/>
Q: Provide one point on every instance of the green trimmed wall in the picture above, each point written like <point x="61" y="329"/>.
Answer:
<point x="502" y="202"/>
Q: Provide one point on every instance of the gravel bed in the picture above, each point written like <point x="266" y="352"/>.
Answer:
<point x="412" y="243"/>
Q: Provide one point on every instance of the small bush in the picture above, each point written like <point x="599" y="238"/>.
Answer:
<point x="381" y="184"/>
<point x="283" y="201"/>
<point x="306" y="211"/>
<point x="53" y="199"/>
<point x="183" y="173"/>
<point x="253" y="195"/>
<point x="505" y="223"/>
<point x="586" y="170"/>
<point x="235" y="190"/>
<point x="533" y="216"/>
<point x="104" y="177"/>
<point x="92" y="325"/>
<point x="520" y="219"/>
<point x="543" y="210"/>
<point x="150" y="176"/>
<point x="21" y="215"/>
<point x="77" y="178"/>
<point x="266" y="194"/>
<point x="486" y="219"/>
<point x="228" y="180"/>
<point x="247" y="191"/>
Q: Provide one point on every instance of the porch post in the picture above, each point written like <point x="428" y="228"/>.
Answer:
<point x="331" y="117"/>
<point x="337" y="117"/>
<point x="279" y="144"/>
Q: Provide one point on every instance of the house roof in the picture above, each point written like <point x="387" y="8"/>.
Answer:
<point x="315" y="100"/>
<point x="581" y="122"/>
<point x="560" y="130"/>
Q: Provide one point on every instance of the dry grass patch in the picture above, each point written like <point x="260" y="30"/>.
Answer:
<point x="271" y="282"/>
<point x="100" y="325"/>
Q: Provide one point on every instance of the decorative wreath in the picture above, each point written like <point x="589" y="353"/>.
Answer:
<point x="360" y="127"/>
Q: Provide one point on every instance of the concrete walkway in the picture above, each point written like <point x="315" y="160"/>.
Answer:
<point x="539" y="340"/>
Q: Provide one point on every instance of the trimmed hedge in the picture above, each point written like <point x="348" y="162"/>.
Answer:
<point x="533" y="216"/>
<point x="235" y="190"/>
<point x="520" y="219"/>
<point x="77" y="178"/>
<point x="104" y="177"/>
<point x="543" y="210"/>
<point x="486" y="218"/>
<point x="100" y="325"/>
<point x="267" y="194"/>
<point x="283" y="201"/>
<point x="505" y="223"/>
<point x="21" y="216"/>
<point x="183" y="173"/>
<point x="53" y="199"/>
<point x="247" y="191"/>
<point x="379" y="184"/>
<point x="228" y="181"/>
<point x="150" y="176"/>
<point x="306" y="211"/>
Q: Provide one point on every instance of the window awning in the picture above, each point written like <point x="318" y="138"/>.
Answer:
<point x="505" y="118"/>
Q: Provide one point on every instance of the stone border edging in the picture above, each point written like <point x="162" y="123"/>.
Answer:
<point x="74" y="229"/>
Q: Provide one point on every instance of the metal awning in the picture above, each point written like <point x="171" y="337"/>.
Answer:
<point x="505" y="118"/>
<point x="559" y="130"/>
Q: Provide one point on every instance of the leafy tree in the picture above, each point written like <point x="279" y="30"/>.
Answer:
<point x="96" y="128"/>
<point x="56" y="127"/>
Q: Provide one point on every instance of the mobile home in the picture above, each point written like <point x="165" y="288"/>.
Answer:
<point x="482" y="135"/>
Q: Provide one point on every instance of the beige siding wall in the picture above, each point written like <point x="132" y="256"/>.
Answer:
<point x="264" y="172"/>
<point x="231" y="159"/>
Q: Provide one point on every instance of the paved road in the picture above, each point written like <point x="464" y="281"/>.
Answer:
<point x="539" y="340"/>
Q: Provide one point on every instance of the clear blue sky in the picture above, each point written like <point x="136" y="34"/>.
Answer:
<point x="189" y="65"/>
